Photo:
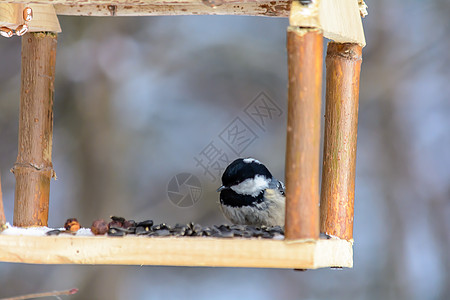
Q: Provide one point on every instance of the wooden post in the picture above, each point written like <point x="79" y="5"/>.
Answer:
<point x="2" y="211"/>
<point x="305" y="50"/>
<point x="33" y="168"/>
<point x="343" y="63"/>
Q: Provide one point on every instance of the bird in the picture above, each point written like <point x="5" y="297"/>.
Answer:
<point x="250" y="195"/>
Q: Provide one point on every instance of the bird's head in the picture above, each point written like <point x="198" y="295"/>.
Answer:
<point x="246" y="176"/>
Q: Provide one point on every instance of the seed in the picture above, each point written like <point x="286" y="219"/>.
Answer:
<point x="266" y="235"/>
<point x="6" y="32"/>
<point x="121" y="229"/>
<point x="115" y="232"/>
<point x="53" y="232"/>
<point x="27" y="14"/>
<point x="115" y="224"/>
<point x="197" y="228"/>
<point x="141" y="230"/>
<point x="238" y="233"/>
<point x="145" y="223"/>
<point x="163" y="232"/>
<point x="164" y="226"/>
<point x="227" y="234"/>
<point x="72" y="225"/>
<point x="99" y="227"/>
<point x="129" y="223"/>
<point x="118" y="219"/>
<point x="224" y="227"/>
<point x="237" y="227"/>
<point x="21" y="29"/>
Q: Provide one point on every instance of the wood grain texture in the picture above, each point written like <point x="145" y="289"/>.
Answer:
<point x="10" y="14"/>
<point x="33" y="168"/>
<point x="343" y="63"/>
<point x="340" y="21"/>
<point x="305" y="48"/>
<point x="44" y="17"/>
<point x="190" y="251"/>
<point x="130" y="2"/>
<point x="278" y="8"/>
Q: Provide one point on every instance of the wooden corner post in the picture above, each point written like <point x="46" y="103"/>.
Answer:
<point x="33" y="168"/>
<point x="305" y="62"/>
<point x="343" y="64"/>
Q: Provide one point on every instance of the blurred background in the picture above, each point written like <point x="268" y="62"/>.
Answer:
<point x="140" y="100"/>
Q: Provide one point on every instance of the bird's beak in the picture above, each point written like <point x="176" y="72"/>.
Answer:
<point x="221" y="188"/>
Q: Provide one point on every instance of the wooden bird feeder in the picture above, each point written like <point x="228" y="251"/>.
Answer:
<point x="310" y="21"/>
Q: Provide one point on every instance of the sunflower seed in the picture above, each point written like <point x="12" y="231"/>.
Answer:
<point x="145" y="223"/>
<point x="163" y="232"/>
<point x="53" y="232"/>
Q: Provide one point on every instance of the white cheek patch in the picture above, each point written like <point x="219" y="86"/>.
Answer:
<point x="252" y="186"/>
<point x="250" y="160"/>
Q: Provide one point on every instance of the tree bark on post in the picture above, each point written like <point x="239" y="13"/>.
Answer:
<point x="343" y="64"/>
<point x="305" y="62"/>
<point x="33" y="168"/>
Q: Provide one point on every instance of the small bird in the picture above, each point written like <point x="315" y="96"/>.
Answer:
<point x="250" y="195"/>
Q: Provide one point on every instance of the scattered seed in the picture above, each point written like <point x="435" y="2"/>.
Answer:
<point x="72" y="225"/>
<point x="129" y="224"/>
<point x="120" y="227"/>
<point x="6" y="32"/>
<point x="27" y="14"/>
<point x="145" y="223"/>
<point x="53" y="232"/>
<point x="163" y="232"/>
<point x="141" y="230"/>
<point x="115" y="232"/>
<point x="21" y="29"/>
<point x="197" y="228"/>
<point x="99" y="227"/>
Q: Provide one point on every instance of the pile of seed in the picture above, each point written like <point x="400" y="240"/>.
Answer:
<point x="224" y="231"/>
<point x="121" y="227"/>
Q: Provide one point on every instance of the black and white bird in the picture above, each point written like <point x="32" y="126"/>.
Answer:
<point x="250" y="195"/>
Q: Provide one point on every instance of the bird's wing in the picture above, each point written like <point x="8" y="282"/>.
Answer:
<point x="277" y="185"/>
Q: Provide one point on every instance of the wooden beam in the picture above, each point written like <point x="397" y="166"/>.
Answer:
<point x="132" y="2"/>
<point x="44" y="17"/>
<point x="277" y="8"/>
<point x="189" y="251"/>
<point x="305" y="51"/>
<point x="33" y="168"/>
<point x="343" y="64"/>
<point x="339" y="20"/>
<point x="10" y="14"/>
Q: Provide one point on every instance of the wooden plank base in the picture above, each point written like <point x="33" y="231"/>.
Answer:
<point x="180" y="251"/>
